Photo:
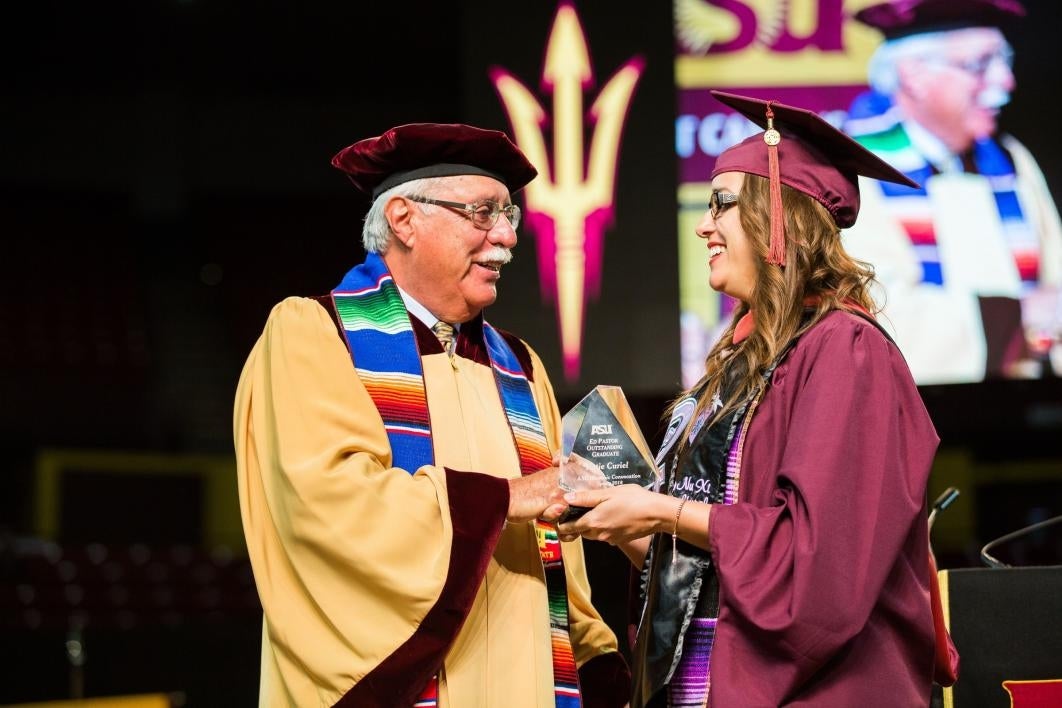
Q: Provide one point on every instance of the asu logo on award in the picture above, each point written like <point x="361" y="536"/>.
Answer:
<point x="602" y="445"/>
<point x="570" y="205"/>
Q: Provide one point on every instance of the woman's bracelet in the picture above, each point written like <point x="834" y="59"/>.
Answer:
<point x="674" y="533"/>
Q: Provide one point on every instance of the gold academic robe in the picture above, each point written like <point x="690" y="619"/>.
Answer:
<point x="354" y="558"/>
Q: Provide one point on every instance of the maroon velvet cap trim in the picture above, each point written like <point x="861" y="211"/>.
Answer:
<point x="605" y="681"/>
<point x="478" y="505"/>
<point x="900" y="18"/>
<point x="416" y="150"/>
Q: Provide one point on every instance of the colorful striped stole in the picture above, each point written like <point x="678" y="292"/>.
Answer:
<point x="515" y="391"/>
<point x="377" y="327"/>
<point x="384" y="350"/>
<point x="691" y="683"/>
<point x="875" y="124"/>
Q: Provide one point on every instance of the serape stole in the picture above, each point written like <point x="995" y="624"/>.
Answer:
<point x="689" y="686"/>
<point x="384" y="350"/>
<point x="377" y="328"/>
<point x="875" y="124"/>
<point x="530" y="442"/>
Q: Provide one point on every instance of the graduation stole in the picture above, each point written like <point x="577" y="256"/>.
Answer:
<point x="915" y="212"/>
<point x="384" y="350"/>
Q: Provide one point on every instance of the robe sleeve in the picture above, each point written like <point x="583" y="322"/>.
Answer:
<point x="800" y="575"/>
<point x="351" y="556"/>
<point x="604" y="677"/>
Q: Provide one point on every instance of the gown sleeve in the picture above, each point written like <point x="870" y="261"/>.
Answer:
<point x="351" y="555"/>
<point x="801" y="570"/>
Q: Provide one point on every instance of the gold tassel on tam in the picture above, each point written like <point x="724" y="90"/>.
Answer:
<point x="776" y="252"/>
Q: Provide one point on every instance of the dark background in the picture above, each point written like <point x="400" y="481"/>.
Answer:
<point x="165" y="179"/>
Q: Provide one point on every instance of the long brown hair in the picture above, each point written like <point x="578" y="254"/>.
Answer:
<point x="818" y="274"/>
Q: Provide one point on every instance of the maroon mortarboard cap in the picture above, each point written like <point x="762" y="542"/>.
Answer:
<point x="800" y="149"/>
<point x="419" y="150"/>
<point x="900" y="18"/>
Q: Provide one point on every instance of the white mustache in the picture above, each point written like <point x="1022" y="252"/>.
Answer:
<point x="993" y="97"/>
<point x="497" y="254"/>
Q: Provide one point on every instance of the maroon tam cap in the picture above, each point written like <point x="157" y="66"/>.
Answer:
<point x="900" y="18"/>
<point x="419" y="150"/>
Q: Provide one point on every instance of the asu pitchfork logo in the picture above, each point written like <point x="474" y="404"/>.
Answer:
<point x="570" y="204"/>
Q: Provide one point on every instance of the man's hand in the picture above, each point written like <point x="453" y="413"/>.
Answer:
<point x="536" y="496"/>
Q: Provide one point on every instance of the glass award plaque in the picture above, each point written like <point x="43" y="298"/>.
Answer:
<point x="602" y="446"/>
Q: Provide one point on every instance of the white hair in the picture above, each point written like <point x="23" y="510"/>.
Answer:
<point x="883" y="70"/>
<point x="376" y="232"/>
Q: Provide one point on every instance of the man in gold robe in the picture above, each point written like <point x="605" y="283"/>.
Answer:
<point x="393" y="452"/>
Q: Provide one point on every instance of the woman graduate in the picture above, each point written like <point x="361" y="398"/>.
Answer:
<point x="786" y="560"/>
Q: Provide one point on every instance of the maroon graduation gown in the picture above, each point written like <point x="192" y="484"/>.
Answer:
<point x="822" y="563"/>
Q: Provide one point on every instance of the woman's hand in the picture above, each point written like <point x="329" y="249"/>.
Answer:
<point x="619" y="514"/>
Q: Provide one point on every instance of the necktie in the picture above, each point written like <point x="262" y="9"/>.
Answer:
<point x="445" y="332"/>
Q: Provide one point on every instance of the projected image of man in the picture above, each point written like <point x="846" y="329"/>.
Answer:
<point x="972" y="260"/>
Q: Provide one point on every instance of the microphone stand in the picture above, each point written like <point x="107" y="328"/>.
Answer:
<point x="993" y="562"/>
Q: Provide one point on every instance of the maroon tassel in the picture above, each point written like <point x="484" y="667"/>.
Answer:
<point x="776" y="252"/>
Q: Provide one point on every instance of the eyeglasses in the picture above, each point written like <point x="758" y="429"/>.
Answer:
<point x="482" y="214"/>
<point x="979" y="66"/>
<point x="718" y="202"/>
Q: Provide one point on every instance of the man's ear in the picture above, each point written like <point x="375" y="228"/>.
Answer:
<point x="400" y="218"/>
